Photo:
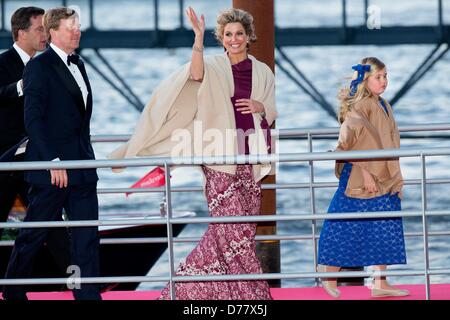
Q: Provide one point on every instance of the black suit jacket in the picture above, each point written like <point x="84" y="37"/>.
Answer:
<point x="10" y="154"/>
<point x="56" y="119"/>
<point x="11" y="105"/>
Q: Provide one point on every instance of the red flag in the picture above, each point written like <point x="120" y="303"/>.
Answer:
<point x="153" y="179"/>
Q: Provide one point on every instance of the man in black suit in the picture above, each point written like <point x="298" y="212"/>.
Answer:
<point x="28" y="34"/>
<point x="58" y="108"/>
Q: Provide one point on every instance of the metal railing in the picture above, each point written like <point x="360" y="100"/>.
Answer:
<point x="309" y="157"/>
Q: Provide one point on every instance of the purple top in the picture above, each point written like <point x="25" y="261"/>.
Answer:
<point x="242" y="76"/>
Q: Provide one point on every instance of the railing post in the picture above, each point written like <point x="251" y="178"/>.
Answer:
<point x="169" y="230"/>
<point x="366" y="14"/>
<point x="425" y="228"/>
<point x="344" y="20"/>
<point x="156" y="22"/>
<point x="440" y="21"/>
<point x="156" y="14"/>
<point x="313" y="204"/>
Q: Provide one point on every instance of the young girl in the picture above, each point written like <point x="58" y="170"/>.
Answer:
<point x="367" y="122"/>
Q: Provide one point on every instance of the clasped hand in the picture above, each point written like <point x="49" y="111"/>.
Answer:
<point x="247" y="106"/>
<point x="369" y="182"/>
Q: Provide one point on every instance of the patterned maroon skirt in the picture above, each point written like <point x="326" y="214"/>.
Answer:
<point x="225" y="248"/>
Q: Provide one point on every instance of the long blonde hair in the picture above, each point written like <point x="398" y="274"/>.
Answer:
<point x="347" y="101"/>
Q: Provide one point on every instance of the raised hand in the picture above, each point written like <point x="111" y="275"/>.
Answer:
<point x="198" y="26"/>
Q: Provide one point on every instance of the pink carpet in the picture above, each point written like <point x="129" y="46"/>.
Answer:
<point x="438" y="292"/>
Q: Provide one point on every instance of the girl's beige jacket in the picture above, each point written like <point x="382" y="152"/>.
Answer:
<point x="368" y="127"/>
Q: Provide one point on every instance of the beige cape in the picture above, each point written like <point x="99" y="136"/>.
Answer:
<point x="189" y="118"/>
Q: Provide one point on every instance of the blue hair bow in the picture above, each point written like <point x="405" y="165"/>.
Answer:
<point x="361" y="69"/>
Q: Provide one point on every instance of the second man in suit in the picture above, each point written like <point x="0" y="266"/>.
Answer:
<point x="29" y="37"/>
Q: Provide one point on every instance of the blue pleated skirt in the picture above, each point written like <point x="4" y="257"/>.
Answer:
<point x="361" y="242"/>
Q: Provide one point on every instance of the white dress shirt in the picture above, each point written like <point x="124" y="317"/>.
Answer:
<point x="75" y="71"/>
<point x="25" y="58"/>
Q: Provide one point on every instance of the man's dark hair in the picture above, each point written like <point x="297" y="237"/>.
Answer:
<point x="21" y="19"/>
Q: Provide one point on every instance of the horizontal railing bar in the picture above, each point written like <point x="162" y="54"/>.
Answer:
<point x="333" y="137"/>
<point x="295" y="132"/>
<point x="9" y="243"/>
<point x="300" y="275"/>
<point x="335" y="130"/>
<point x="235" y="219"/>
<point x="438" y="271"/>
<point x="233" y="277"/>
<point x="265" y="186"/>
<point x="125" y="138"/>
<point x="369" y="155"/>
<point x="297" y="237"/>
<point x="278" y="186"/>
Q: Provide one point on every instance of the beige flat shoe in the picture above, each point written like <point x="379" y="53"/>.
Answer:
<point x="334" y="292"/>
<point x="378" y="292"/>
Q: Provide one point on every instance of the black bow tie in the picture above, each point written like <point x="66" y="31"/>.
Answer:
<point x="73" y="58"/>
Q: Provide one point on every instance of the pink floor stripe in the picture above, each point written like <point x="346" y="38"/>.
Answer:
<point x="438" y="292"/>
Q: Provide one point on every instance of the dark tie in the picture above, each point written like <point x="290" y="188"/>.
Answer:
<point x="73" y="58"/>
<point x="31" y="58"/>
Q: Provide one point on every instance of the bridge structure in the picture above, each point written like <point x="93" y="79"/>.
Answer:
<point x="179" y="35"/>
